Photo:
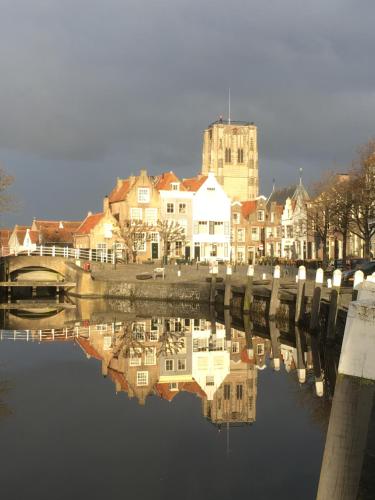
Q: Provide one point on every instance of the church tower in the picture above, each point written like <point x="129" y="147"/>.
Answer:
<point x="230" y="151"/>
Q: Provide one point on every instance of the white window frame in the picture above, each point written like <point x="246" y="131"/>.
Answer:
<point x="143" y="195"/>
<point x="138" y="211"/>
<point x="181" y="360"/>
<point x="142" y="375"/>
<point x="169" y="360"/>
<point x="170" y="207"/>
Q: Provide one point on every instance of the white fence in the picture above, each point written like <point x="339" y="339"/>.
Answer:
<point x="92" y="255"/>
<point x="46" y="335"/>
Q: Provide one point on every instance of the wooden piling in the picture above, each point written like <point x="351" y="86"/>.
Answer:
<point x="315" y="305"/>
<point x="249" y="327"/>
<point x="248" y="298"/>
<point x="300" y="299"/>
<point x="228" y="288"/>
<point x="334" y="305"/>
<point x="228" y="324"/>
<point x="317" y="365"/>
<point x="274" y="301"/>
<point x="213" y="271"/>
<point x="275" y="343"/>
<point x="301" y="368"/>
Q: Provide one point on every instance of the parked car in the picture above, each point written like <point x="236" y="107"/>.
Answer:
<point x="367" y="268"/>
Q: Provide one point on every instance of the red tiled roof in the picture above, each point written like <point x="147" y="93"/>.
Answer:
<point x="52" y="232"/>
<point x="88" y="348"/>
<point x="4" y="236"/>
<point x="34" y="236"/>
<point x="119" y="193"/>
<point x="166" y="179"/>
<point x="248" y="207"/>
<point x="164" y="392"/>
<point x="89" y="223"/>
<point x="194" y="183"/>
<point x="116" y="376"/>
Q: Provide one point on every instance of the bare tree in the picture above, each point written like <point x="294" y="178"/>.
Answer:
<point x="363" y="195"/>
<point x="319" y="214"/>
<point x="135" y="236"/>
<point x="170" y="231"/>
<point x="341" y="208"/>
<point x="6" y="200"/>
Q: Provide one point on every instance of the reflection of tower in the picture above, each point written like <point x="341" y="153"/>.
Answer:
<point x="234" y="402"/>
<point x="230" y="151"/>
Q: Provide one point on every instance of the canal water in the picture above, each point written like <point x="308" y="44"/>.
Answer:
<point x="120" y="400"/>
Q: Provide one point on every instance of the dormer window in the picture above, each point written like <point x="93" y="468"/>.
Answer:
<point x="143" y="195"/>
<point x="175" y="186"/>
<point x="260" y="215"/>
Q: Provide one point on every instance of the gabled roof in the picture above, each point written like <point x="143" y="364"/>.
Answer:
<point x="88" y="348"/>
<point x="280" y="195"/>
<point x="34" y="236"/>
<point x="4" y="236"/>
<point x="89" y="223"/>
<point x="56" y="231"/>
<point x="162" y="389"/>
<point x="164" y="181"/>
<point x="118" y="377"/>
<point x="119" y="193"/>
<point x="194" y="183"/>
<point x="248" y="207"/>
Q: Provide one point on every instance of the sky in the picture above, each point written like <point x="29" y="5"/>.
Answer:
<point x="92" y="90"/>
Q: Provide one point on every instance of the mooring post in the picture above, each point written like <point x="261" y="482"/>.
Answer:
<point x="317" y="365"/>
<point x="228" y="324"/>
<point x="334" y="304"/>
<point x="352" y="403"/>
<point x="358" y="278"/>
<point x="228" y="287"/>
<point x="214" y="270"/>
<point x="275" y="301"/>
<point x="301" y="367"/>
<point x="248" y="327"/>
<point x="248" y="298"/>
<point x="315" y="304"/>
<point x="275" y="343"/>
<point x="300" y="299"/>
<point x="104" y="368"/>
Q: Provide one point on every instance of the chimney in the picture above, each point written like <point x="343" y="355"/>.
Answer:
<point x="61" y="225"/>
<point x="89" y="213"/>
<point x="118" y="182"/>
<point x="105" y="204"/>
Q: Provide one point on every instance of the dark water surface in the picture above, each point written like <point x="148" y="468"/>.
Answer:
<point x="73" y="433"/>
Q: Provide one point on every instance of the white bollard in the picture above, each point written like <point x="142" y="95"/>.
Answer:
<point x="358" y="278"/>
<point x="319" y="278"/>
<point x="276" y="272"/>
<point x="329" y="283"/>
<point x="301" y="273"/>
<point x="179" y="273"/>
<point x="337" y="274"/>
<point x="250" y="270"/>
<point x="229" y="270"/>
<point x="264" y="276"/>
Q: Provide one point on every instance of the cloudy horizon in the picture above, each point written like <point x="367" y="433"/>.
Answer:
<point x="92" y="90"/>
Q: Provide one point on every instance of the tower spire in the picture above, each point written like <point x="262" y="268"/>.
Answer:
<point x="300" y="176"/>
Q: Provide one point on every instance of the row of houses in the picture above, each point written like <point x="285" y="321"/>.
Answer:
<point x="211" y="225"/>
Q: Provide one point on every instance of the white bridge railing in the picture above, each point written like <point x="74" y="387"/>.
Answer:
<point x="92" y="254"/>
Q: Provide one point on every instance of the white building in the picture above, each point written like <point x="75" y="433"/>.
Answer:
<point x="23" y="239"/>
<point x="211" y="217"/>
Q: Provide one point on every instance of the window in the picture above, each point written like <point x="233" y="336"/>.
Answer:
<point x="213" y="251"/>
<point x="226" y="391"/>
<point x="236" y="218"/>
<point x="107" y="342"/>
<point x="226" y="228"/>
<point x="210" y="380"/>
<point x="260" y="349"/>
<point x="143" y="195"/>
<point x="175" y="186"/>
<point x="140" y="242"/>
<point x="260" y="215"/>
<point x="255" y="233"/>
<point x="154" y="237"/>
<point x="169" y="365"/>
<point x="183" y="225"/>
<point x="139" y="331"/>
<point x="228" y="155"/>
<point x="154" y="336"/>
<point x="102" y="328"/>
<point x="241" y="235"/>
<point x="239" y="391"/>
<point x="182" y="208"/>
<point x="178" y="248"/>
<point x="181" y="364"/>
<point x="151" y="216"/>
<point x="173" y="386"/>
<point x="142" y="378"/>
<point x="107" y="230"/>
<point x="211" y="227"/>
<point x="135" y="357"/>
<point x="235" y="347"/>
<point x="150" y="357"/>
<point x="135" y="214"/>
<point x="240" y="155"/>
<point x="170" y="208"/>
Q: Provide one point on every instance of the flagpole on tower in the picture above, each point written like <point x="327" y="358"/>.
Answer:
<point x="229" y="106"/>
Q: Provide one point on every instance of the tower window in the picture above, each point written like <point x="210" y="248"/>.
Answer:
<point x="228" y="155"/>
<point x="240" y="155"/>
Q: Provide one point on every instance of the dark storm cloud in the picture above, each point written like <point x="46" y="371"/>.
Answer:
<point x="106" y="88"/>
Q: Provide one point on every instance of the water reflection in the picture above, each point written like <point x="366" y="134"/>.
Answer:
<point x="213" y="358"/>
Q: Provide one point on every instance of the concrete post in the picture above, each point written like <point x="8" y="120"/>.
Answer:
<point x="352" y="402"/>
<point x="317" y="365"/>
<point x="228" y="288"/>
<point x="334" y="305"/>
<point x="41" y="250"/>
<point x="315" y="305"/>
<point x="248" y="298"/>
<point x="275" y="301"/>
<point x="53" y="251"/>
<point x="300" y="299"/>
<point x="358" y="278"/>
